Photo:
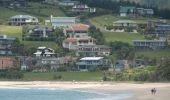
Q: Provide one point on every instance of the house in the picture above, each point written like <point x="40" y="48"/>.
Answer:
<point x="127" y="11"/>
<point x="62" y="21"/>
<point x="8" y="62"/>
<point x="162" y="30"/>
<point x="68" y="3"/>
<point x="44" y="52"/>
<point x="122" y="64"/>
<point x="92" y="63"/>
<point x="5" y="45"/>
<point x="61" y="2"/>
<point x="5" y="2"/>
<point x="151" y="24"/>
<point x="93" y="50"/>
<point x="55" y="63"/>
<point x="52" y="2"/>
<point x="82" y="8"/>
<point x="39" y="31"/>
<point x="148" y="12"/>
<point x="23" y="20"/>
<point x="149" y="44"/>
<point x="144" y="12"/>
<point x="125" y="26"/>
<point x="73" y="43"/>
<point x="76" y="31"/>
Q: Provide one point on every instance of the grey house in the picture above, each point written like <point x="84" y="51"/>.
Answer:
<point x="62" y="21"/>
<point x="149" y="44"/>
<point x="93" y="50"/>
<point x="38" y="32"/>
<point x="5" y="45"/>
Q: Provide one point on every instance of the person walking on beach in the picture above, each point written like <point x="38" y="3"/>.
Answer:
<point x="154" y="91"/>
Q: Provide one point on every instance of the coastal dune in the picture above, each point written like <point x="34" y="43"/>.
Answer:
<point x="139" y="91"/>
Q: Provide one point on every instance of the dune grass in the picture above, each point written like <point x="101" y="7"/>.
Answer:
<point x="66" y="76"/>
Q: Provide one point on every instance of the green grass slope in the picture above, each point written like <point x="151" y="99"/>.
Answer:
<point x="123" y="37"/>
<point x="101" y="21"/>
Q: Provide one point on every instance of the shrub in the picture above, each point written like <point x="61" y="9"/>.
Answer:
<point x="57" y="77"/>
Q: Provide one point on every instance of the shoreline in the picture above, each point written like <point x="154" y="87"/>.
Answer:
<point x="139" y="91"/>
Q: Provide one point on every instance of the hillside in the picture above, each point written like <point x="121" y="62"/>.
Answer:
<point x="36" y="9"/>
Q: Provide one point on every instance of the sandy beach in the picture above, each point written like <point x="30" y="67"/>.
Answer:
<point x="139" y="91"/>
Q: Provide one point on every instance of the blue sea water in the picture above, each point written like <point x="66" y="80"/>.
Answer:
<point x="55" y="94"/>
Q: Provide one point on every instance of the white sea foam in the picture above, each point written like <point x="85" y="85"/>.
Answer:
<point x="114" y="97"/>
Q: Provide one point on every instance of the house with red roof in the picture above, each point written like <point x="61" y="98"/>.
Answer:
<point x="8" y="62"/>
<point x="73" y="43"/>
<point x="76" y="31"/>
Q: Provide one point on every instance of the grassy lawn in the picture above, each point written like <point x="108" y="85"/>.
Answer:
<point x="36" y="44"/>
<point x="66" y="76"/>
<point x="16" y="31"/>
<point x="124" y="37"/>
<point x="45" y="10"/>
<point x="37" y="9"/>
<point x="154" y="54"/>
<point x="100" y="21"/>
<point x="6" y="13"/>
<point x="11" y="31"/>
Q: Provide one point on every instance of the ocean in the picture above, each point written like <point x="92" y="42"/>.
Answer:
<point x="12" y="93"/>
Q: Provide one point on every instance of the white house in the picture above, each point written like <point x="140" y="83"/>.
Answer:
<point x="73" y="43"/>
<point x="76" y="31"/>
<point x="62" y="21"/>
<point x="92" y="63"/>
<point x="125" y="25"/>
<point x="23" y="20"/>
<point x="44" y="52"/>
<point x="83" y="8"/>
<point x="68" y="3"/>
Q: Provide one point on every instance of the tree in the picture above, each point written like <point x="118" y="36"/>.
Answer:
<point x="163" y="70"/>
<point x="97" y="34"/>
<point x="122" y="50"/>
<point x="20" y="49"/>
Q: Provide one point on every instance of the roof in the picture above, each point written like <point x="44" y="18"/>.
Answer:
<point x="47" y="53"/>
<point x="42" y="47"/>
<point x="92" y="58"/>
<point x="78" y="27"/>
<point x="63" y="19"/>
<point x="94" y="46"/>
<point x="124" y="21"/>
<point x="22" y="16"/>
<point x="40" y="27"/>
<point x="78" y="39"/>
<point x="148" y="40"/>
<point x="125" y="9"/>
<point x="80" y="6"/>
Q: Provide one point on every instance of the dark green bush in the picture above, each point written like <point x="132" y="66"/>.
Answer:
<point x="57" y="77"/>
